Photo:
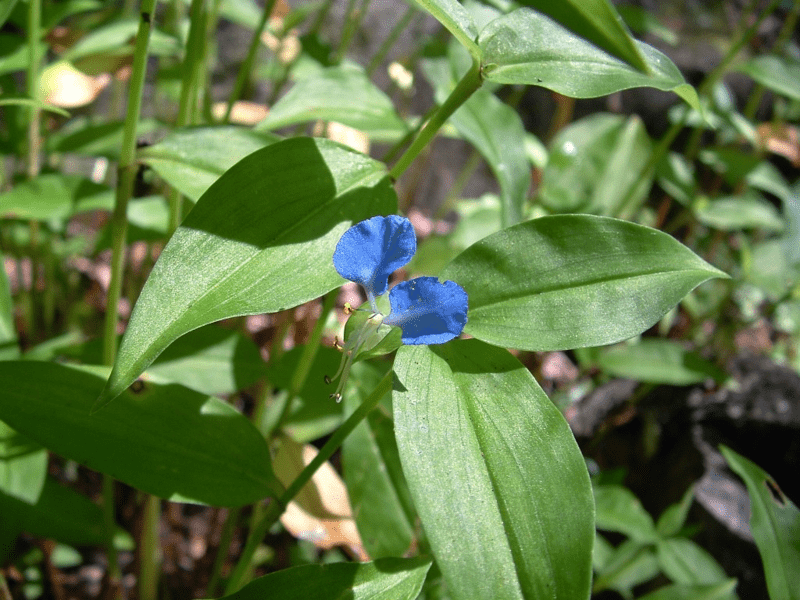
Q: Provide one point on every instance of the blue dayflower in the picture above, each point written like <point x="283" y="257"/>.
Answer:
<point x="372" y="250"/>
<point x="426" y="310"/>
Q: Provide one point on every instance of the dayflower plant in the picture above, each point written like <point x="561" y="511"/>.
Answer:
<point x="427" y="311"/>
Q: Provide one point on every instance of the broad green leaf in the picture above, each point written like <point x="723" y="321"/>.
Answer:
<point x="596" y="21"/>
<point x="62" y="514"/>
<point x="166" y="440"/>
<point x="780" y="74"/>
<point x="657" y="361"/>
<point x="191" y="159"/>
<point x="496" y="476"/>
<point x="496" y="131"/>
<point x="343" y="94"/>
<point x="23" y="101"/>
<point x="643" y="23"/>
<point x="775" y="524"/>
<point x="6" y="6"/>
<point x="14" y="52"/>
<point x="116" y="38"/>
<point x="528" y="48"/>
<point x="54" y="196"/>
<point x="631" y="564"/>
<point x="375" y="483"/>
<point x="770" y="269"/>
<point x="244" y="12"/>
<point x="456" y="20"/>
<point x="23" y="466"/>
<point x="53" y="14"/>
<point x="83" y="136"/>
<point x="261" y="239"/>
<point x="672" y="519"/>
<point x="716" y="591"/>
<point x="384" y="579"/>
<point x="570" y="281"/>
<point x="617" y="509"/>
<point x="685" y="562"/>
<point x="9" y="348"/>
<point x="211" y="360"/>
<point x="594" y="164"/>
<point x="732" y="213"/>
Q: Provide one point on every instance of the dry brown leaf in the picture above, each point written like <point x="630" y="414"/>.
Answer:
<point x="63" y="85"/>
<point x="243" y="113"/>
<point x="321" y="512"/>
<point x="782" y="140"/>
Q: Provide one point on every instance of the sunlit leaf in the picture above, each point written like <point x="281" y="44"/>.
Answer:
<point x="261" y="239"/>
<point x="496" y="476"/>
<point x="570" y="281"/>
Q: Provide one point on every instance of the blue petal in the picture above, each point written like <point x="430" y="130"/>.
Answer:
<point x="372" y="250"/>
<point x="427" y="310"/>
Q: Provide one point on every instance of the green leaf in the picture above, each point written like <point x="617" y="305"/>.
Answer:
<point x="596" y="21"/>
<point x="191" y="159"/>
<point x="24" y="101"/>
<point x="716" y="591"/>
<point x="384" y="579"/>
<point x="116" y="39"/>
<point x="167" y="440"/>
<point x="496" y="476"/>
<point x="456" y="20"/>
<point x="631" y="564"/>
<point x="594" y="164"/>
<point x="685" y="562"/>
<point x="617" y="509"/>
<point x="54" y="196"/>
<point x="82" y="136"/>
<point x="23" y="466"/>
<point x="775" y="524"/>
<point x="732" y="213"/>
<point x="64" y="515"/>
<point x="570" y="281"/>
<point x="658" y="361"/>
<point x="343" y="94"/>
<point x="9" y="348"/>
<point x="529" y="48"/>
<point x="672" y="519"/>
<point x="375" y="483"/>
<point x="496" y="131"/>
<point x="780" y="74"/>
<point x="261" y="239"/>
<point x="6" y="6"/>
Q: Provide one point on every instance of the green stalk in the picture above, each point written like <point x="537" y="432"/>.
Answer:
<point x="222" y="552"/>
<point x="390" y="40"/>
<point x="34" y="142"/>
<point x="471" y="81"/>
<point x="149" y="553"/>
<point x="352" y="21"/>
<point x="276" y="508"/>
<point x="247" y="65"/>
<point x="306" y="359"/>
<point x="693" y="145"/>
<point x="186" y="107"/>
<point x="126" y="173"/>
<point x="780" y="44"/>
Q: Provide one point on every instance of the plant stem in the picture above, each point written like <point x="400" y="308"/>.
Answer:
<point x="693" y="146"/>
<point x="222" y="552"/>
<point x="471" y="81"/>
<point x="126" y="173"/>
<point x="390" y="40"/>
<point x="276" y="508"/>
<point x="149" y="554"/>
<point x="186" y="107"/>
<point x="353" y="19"/>
<point x="247" y="65"/>
<point x="34" y="143"/>
<point x="786" y="31"/>
<point x="306" y="359"/>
